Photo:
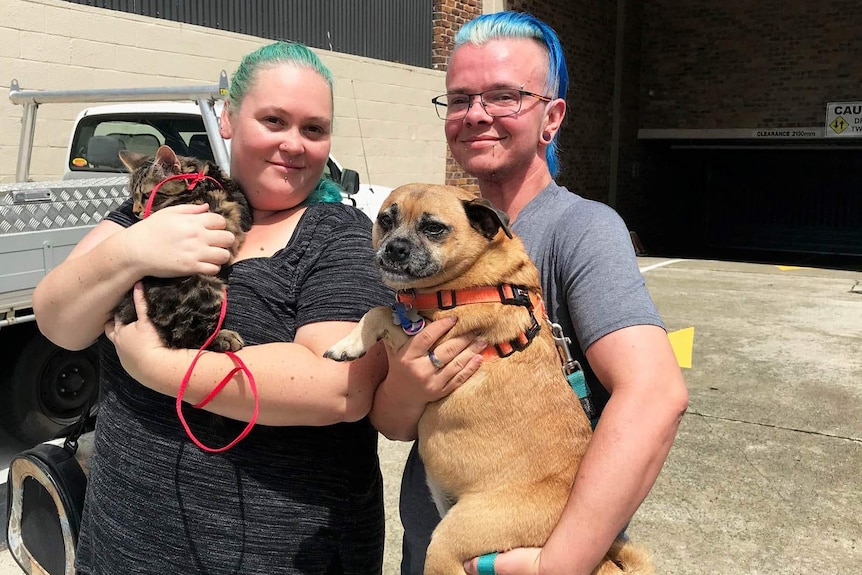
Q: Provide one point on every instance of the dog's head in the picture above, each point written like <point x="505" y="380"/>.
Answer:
<point x="425" y="235"/>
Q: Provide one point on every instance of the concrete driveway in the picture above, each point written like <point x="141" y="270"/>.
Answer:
<point x="764" y="475"/>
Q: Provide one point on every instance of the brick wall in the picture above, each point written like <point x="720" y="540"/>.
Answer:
<point x="696" y="64"/>
<point x="772" y="63"/>
<point x="586" y="30"/>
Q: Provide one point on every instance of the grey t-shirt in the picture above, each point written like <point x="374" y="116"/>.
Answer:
<point x="591" y="286"/>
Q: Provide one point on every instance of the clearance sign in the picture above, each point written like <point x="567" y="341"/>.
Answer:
<point x="844" y="119"/>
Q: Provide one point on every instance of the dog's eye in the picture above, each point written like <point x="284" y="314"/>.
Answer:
<point x="384" y="221"/>
<point x="434" y="229"/>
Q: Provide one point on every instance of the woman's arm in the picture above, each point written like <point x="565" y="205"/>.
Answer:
<point x="296" y="384"/>
<point x="73" y="302"/>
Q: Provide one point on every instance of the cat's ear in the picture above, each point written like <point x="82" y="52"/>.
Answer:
<point x="133" y="160"/>
<point x="167" y="159"/>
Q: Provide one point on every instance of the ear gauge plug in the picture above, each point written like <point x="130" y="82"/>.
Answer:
<point x="546" y="137"/>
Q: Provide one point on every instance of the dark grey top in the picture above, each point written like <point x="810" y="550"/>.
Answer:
<point x="284" y="500"/>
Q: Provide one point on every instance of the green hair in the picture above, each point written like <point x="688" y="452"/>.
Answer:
<point x="277" y="53"/>
<point x="272" y="55"/>
<point x="325" y="192"/>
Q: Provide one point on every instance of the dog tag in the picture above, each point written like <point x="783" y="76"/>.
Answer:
<point x="409" y="319"/>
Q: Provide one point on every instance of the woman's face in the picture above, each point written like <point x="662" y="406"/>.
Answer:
<point x="495" y="147"/>
<point x="280" y="136"/>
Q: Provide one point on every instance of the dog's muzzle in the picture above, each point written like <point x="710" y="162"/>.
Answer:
<point x="397" y="251"/>
<point x="402" y="261"/>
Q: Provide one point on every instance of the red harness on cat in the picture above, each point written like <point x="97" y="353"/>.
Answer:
<point x="194" y="180"/>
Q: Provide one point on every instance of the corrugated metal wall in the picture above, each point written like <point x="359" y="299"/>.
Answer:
<point x="392" y="30"/>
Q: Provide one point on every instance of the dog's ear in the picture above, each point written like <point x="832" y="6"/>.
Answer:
<point x="485" y="218"/>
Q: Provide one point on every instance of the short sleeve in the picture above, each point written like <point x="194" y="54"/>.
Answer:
<point x="123" y="215"/>
<point x="341" y="282"/>
<point x="604" y="289"/>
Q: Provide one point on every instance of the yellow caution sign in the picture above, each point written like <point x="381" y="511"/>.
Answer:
<point x="838" y="125"/>
<point x="682" y="342"/>
<point x="843" y="120"/>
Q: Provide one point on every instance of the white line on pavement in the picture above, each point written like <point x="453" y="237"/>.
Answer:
<point x="659" y="265"/>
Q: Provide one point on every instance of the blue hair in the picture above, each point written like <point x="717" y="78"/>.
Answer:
<point x="522" y="25"/>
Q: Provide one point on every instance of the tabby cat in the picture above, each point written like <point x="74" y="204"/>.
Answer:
<point x="185" y="310"/>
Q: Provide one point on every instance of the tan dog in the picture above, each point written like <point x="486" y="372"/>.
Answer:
<point x="502" y="450"/>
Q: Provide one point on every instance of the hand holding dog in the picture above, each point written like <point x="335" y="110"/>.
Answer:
<point x="521" y="561"/>
<point x="414" y="381"/>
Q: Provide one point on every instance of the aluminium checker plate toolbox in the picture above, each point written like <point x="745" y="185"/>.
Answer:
<point x="40" y="223"/>
<point x="36" y="206"/>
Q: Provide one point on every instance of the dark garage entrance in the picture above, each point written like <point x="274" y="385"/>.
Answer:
<point x="734" y="199"/>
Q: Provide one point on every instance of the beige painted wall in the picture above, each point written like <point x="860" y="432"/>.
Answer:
<point x="385" y="126"/>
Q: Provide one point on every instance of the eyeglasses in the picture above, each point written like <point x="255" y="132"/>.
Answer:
<point x="497" y="103"/>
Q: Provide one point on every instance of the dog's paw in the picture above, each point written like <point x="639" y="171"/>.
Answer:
<point x="227" y="340"/>
<point x="347" y="349"/>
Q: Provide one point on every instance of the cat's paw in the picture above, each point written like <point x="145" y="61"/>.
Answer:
<point x="347" y="349"/>
<point x="227" y="340"/>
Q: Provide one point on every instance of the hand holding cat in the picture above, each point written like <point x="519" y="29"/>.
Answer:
<point x="137" y="343"/>
<point x="180" y="240"/>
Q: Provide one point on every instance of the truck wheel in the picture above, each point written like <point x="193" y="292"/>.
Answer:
<point x="47" y="390"/>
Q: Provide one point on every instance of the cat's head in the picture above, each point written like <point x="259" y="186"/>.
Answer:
<point x="147" y="172"/>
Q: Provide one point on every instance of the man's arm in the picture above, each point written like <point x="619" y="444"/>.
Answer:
<point x="627" y="451"/>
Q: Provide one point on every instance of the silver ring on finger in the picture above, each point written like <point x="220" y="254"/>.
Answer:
<point x="435" y="361"/>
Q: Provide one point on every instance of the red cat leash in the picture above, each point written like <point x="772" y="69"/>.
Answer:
<point x="194" y="179"/>
<point x="217" y="389"/>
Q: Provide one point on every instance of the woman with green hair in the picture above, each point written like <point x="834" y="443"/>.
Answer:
<point x="302" y="492"/>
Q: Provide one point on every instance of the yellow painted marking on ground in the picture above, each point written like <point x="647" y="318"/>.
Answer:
<point x="789" y="268"/>
<point x="682" y="342"/>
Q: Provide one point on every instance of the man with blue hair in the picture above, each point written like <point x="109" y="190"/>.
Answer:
<point x="504" y="104"/>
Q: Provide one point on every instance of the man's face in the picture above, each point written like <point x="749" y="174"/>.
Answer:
<point x="495" y="147"/>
